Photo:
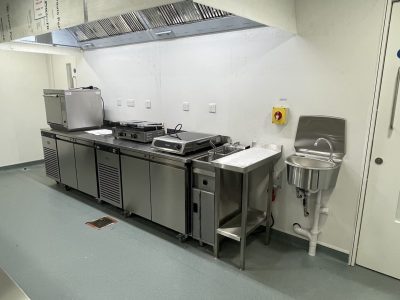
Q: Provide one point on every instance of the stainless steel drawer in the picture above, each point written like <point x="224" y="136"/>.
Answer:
<point x="203" y="182"/>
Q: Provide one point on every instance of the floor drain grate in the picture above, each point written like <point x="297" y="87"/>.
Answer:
<point x="102" y="222"/>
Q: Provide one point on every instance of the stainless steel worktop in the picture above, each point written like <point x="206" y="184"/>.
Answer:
<point x="247" y="160"/>
<point x="109" y="140"/>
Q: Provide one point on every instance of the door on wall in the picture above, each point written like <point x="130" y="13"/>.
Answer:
<point x="379" y="244"/>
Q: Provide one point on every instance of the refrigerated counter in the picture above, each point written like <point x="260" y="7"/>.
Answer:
<point x="128" y="175"/>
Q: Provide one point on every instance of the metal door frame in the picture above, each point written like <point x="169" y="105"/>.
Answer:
<point x="371" y="130"/>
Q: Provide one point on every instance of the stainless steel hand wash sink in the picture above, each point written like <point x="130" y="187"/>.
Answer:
<point x="315" y="166"/>
<point x="320" y="147"/>
<point x="310" y="173"/>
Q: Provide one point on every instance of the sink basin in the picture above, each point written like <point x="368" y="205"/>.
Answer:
<point x="310" y="163"/>
<point x="224" y="150"/>
<point x="210" y="157"/>
<point x="310" y="173"/>
<point x="204" y="162"/>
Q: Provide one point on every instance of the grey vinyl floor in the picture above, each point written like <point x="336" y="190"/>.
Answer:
<point x="48" y="250"/>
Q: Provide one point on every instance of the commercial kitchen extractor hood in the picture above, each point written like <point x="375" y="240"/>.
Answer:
<point x="176" y="20"/>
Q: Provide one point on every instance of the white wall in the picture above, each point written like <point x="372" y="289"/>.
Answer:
<point x="57" y="66"/>
<point x="23" y="76"/>
<point x="329" y="69"/>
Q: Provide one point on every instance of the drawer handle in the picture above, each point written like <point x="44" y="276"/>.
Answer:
<point x="205" y="182"/>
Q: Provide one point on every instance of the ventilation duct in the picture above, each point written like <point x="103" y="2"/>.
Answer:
<point x="180" y="19"/>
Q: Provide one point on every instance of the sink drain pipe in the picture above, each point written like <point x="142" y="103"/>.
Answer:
<point x="312" y="234"/>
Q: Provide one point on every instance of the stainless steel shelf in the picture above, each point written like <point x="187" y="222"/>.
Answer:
<point x="232" y="228"/>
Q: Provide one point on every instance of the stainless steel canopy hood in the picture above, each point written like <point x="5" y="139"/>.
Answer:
<point x="180" y="19"/>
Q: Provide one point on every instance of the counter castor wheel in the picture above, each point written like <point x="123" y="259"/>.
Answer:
<point x="182" y="237"/>
<point x="57" y="182"/>
<point x="99" y="201"/>
<point x="67" y="188"/>
<point x="201" y="244"/>
<point x="127" y="214"/>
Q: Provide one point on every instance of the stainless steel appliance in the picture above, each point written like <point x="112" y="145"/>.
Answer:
<point x="183" y="143"/>
<point x="138" y="131"/>
<point x="73" y="109"/>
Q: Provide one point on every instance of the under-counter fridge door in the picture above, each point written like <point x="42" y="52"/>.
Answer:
<point x="66" y="159"/>
<point x="136" y="186"/>
<point x="85" y="158"/>
<point x="168" y="196"/>
<point x="196" y="214"/>
<point x="207" y="216"/>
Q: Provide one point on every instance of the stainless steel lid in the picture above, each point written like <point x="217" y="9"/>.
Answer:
<point x="310" y="128"/>
<point x="187" y="137"/>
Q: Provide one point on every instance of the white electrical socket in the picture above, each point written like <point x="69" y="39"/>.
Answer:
<point x="186" y="106"/>
<point x="119" y="102"/>
<point x="148" y="104"/>
<point x="212" y="108"/>
<point x="130" y="103"/>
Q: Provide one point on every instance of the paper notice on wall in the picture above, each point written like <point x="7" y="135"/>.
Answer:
<point x="22" y="18"/>
<point x="39" y="9"/>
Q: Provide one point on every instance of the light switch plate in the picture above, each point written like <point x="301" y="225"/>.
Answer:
<point x="186" y="106"/>
<point x="148" y="104"/>
<point x="212" y="108"/>
<point x="130" y="103"/>
<point x="119" y="102"/>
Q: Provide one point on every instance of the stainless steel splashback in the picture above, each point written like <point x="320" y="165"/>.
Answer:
<point x="310" y="128"/>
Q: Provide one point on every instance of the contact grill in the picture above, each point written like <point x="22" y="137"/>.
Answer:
<point x="185" y="142"/>
<point x="138" y="131"/>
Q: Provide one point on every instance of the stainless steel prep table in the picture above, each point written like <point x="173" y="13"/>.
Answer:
<point x="164" y="194"/>
<point x="254" y="161"/>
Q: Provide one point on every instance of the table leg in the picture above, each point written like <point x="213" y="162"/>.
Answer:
<point x="216" y="210"/>
<point x="245" y="199"/>
<point x="269" y="204"/>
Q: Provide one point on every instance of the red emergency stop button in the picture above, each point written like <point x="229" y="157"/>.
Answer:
<point x="278" y="115"/>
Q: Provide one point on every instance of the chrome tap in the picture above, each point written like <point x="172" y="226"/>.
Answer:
<point x="329" y="144"/>
<point x="214" y="148"/>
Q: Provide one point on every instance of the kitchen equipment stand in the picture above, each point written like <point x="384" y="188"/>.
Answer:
<point x="254" y="165"/>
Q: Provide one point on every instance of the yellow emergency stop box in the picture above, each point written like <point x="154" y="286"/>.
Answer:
<point x="279" y="115"/>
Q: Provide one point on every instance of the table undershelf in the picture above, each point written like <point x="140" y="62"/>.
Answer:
<point x="232" y="229"/>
